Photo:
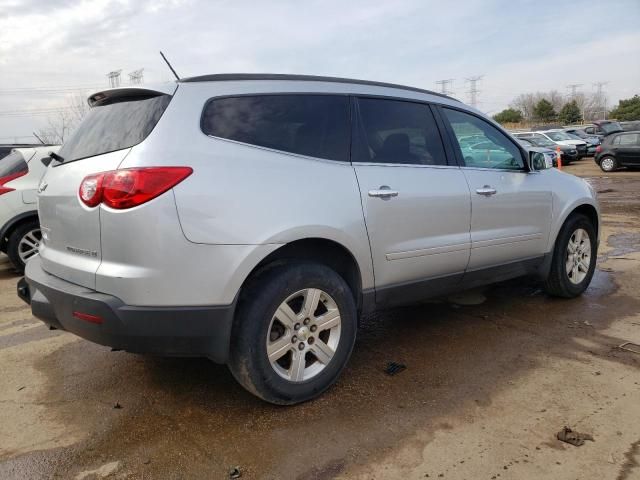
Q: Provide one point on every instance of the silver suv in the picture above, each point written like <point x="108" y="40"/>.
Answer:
<point x="252" y="219"/>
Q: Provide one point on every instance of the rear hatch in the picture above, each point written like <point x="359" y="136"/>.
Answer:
<point x="118" y="120"/>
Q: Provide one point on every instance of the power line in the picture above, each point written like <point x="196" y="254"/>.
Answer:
<point x="444" y="86"/>
<point x="473" y="89"/>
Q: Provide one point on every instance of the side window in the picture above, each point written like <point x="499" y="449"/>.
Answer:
<point x="628" y="140"/>
<point x="616" y="141"/>
<point x="395" y="131"/>
<point x="590" y="130"/>
<point x="311" y="125"/>
<point x="490" y="147"/>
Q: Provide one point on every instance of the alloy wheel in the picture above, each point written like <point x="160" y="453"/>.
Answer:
<point x="303" y="335"/>
<point x="578" y="257"/>
<point x="29" y="244"/>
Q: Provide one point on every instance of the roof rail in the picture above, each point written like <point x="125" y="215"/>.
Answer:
<point x="221" y="77"/>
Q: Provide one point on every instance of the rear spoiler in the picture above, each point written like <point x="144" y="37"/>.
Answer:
<point x="111" y="94"/>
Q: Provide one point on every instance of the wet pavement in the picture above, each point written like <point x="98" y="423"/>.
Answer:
<point x="492" y="375"/>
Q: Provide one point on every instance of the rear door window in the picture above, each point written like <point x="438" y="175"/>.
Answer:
<point x="628" y="140"/>
<point x="311" y="125"/>
<point x="397" y="132"/>
<point x="117" y="125"/>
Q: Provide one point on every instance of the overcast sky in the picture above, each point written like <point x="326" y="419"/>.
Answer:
<point x="54" y="48"/>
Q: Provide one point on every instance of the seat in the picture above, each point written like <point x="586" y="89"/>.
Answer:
<point x="395" y="149"/>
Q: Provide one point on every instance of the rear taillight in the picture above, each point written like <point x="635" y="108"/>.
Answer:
<point x="598" y="149"/>
<point x="127" y="188"/>
<point x="8" y="178"/>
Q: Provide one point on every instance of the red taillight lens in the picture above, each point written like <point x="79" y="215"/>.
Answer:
<point x="91" y="190"/>
<point x="127" y="188"/>
<point x="8" y="178"/>
<point x="598" y="149"/>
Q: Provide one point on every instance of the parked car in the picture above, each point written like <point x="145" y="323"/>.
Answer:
<point x="630" y="126"/>
<point x="20" y="174"/>
<point x="242" y="217"/>
<point x="550" y="154"/>
<point x="5" y="148"/>
<point x="562" y="138"/>
<point x="620" y="149"/>
<point x="602" y="128"/>
<point x="568" y="153"/>
<point x="592" y="142"/>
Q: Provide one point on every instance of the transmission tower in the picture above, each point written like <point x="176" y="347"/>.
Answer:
<point x="574" y="90"/>
<point x="473" y="89"/>
<point x="136" y="77"/>
<point x="444" y="86"/>
<point x="601" y="99"/>
<point x="114" y="78"/>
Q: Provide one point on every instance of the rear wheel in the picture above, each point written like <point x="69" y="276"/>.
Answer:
<point x="294" y="333"/>
<point x="24" y="243"/>
<point x="574" y="258"/>
<point x="608" y="164"/>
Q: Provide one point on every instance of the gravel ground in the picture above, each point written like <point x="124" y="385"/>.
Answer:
<point x="492" y="375"/>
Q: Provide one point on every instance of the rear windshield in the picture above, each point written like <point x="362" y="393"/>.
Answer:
<point x="114" y="126"/>
<point x="12" y="164"/>
<point x="610" y="127"/>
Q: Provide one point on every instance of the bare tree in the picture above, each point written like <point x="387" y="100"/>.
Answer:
<point x="61" y="124"/>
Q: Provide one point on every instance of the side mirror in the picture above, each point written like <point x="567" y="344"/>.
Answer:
<point x="46" y="161"/>
<point x="539" y="161"/>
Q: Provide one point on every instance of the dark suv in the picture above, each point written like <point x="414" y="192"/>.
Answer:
<point x="619" y="150"/>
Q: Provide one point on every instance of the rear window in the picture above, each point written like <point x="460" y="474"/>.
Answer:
<point x="12" y="164"/>
<point x="311" y="125"/>
<point x="114" y="126"/>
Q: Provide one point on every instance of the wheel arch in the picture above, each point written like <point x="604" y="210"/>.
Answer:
<point x="314" y="249"/>
<point x="587" y="207"/>
<point x="14" y="223"/>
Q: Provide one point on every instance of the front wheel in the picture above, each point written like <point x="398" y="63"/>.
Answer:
<point x="24" y="243"/>
<point x="294" y="333"/>
<point x="574" y="258"/>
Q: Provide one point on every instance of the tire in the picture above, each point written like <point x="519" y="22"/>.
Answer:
<point x="263" y="303"/>
<point x="569" y="284"/>
<point x="23" y="243"/>
<point x="608" y="164"/>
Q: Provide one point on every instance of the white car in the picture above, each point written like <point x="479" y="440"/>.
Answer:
<point x="20" y="174"/>
<point x="559" y="137"/>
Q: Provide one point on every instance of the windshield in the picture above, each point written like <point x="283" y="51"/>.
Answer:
<point x="114" y="126"/>
<point x="559" y="136"/>
<point x="541" y="141"/>
<point x="611" y="127"/>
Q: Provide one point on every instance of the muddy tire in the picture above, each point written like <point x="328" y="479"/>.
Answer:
<point x="608" y="164"/>
<point x="23" y="243"/>
<point x="574" y="258"/>
<point x="293" y="333"/>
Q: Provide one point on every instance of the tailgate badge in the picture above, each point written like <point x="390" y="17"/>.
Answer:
<point x="42" y="187"/>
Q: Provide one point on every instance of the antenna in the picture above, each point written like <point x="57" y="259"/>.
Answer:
<point x="169" y="65"/>
<point x="444" y="86"/>
<point x="36" y="135"/>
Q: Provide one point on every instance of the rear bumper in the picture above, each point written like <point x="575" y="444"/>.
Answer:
<point x="175" y="331"/>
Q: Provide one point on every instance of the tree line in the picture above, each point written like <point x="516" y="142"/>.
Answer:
<point x="553" y="107"/>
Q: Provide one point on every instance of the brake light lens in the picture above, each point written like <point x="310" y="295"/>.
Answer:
<point x="127" y="188"/>
<point x="598" y="149"/>
<point x="8" y="178"/>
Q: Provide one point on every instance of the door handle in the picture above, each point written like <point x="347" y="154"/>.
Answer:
<point x="383" y="192"/>
<point x="487" y="191"/>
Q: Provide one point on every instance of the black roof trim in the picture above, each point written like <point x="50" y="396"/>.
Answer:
<point x="221" y="77"/>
